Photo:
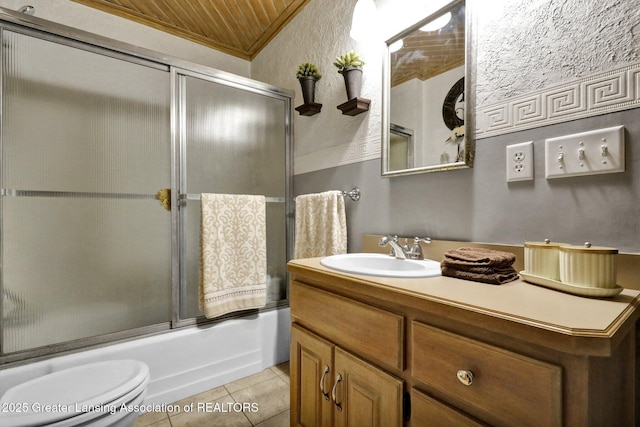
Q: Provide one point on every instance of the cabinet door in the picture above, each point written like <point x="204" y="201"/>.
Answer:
<point x="311" y="375"/>
<point x="364" y="396"/>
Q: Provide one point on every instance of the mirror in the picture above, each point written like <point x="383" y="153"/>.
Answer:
<point x="426" y="118"/>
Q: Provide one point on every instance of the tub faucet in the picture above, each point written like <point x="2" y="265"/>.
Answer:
<point x="396" y="249"/>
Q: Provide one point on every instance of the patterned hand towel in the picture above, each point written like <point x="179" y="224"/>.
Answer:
<point x="321" y="225"/>
<point x="233" y="253"/>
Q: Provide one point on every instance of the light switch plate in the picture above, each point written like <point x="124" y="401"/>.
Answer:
<point x="520" y="162"/>
<point x="587" y="153"/>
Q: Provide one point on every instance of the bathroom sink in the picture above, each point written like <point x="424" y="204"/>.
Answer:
<point x="381" y="265"/>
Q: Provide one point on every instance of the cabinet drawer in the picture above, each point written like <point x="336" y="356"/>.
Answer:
<point x="426" y="411"/>
<point x="506" y="389"/>
<point x="368" y="331"/>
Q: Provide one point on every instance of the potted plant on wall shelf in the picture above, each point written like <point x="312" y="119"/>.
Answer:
<point x="308" y="75"/>
<point x="350" y="66"/>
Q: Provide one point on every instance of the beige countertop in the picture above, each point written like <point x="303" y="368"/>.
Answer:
<point x="517" y="301"/>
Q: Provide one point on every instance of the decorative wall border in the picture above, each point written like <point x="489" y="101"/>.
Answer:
<point x="607" y="92"/>
<point x="343" y="154"/>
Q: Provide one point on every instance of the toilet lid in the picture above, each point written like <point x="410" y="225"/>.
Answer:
<point x="70" y="392"/>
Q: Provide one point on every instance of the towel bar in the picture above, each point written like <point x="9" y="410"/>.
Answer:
<point x="354" y="194"/>
<point x="197" y="197"/>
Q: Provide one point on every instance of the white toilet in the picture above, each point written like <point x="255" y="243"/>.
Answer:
<point x="97" y="394"/>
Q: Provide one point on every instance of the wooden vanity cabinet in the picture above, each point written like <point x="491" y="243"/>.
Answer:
<point x="444" y="352"/>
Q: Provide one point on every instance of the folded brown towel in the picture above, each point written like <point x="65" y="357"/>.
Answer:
<point x="496" y="277"/>
<point x="478" y="257"/>
<point x="480" y="265"/>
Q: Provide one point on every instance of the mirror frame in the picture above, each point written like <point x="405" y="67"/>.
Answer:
<point x="469" y="88"/>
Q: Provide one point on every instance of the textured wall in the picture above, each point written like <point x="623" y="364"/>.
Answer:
<point x="318" y="34"/>
<point x="543" y="62"/>
<point x="528" y="45"/>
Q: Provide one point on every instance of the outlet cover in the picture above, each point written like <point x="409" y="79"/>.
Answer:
<point x="520" y="162"/>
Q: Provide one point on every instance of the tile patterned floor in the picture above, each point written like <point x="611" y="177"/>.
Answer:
<point x="265" y="397"/>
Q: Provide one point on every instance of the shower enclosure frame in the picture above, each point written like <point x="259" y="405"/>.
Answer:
<point x="49" y="31"/>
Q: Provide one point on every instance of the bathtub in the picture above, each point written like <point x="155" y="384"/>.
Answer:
<point x="186" y="361"/>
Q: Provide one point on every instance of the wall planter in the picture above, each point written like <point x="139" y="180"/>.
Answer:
<point x="308" y="86"/>
<point x="308" y="75"/>
<point x="350" y="66"/>
<point x="353" y="81"/>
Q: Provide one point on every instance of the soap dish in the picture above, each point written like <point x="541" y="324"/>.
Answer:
<point x="583" y="291"/>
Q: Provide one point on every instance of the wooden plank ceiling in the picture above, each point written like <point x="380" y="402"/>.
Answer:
<point x="237" y="27"/>
<point x="427" y="54"/>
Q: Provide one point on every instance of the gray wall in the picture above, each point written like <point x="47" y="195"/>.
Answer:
<point x="479" y="205"/>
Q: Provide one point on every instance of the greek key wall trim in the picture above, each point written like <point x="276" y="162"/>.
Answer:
<point x="602" y="93"/>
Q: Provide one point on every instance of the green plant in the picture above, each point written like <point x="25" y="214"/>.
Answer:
<point x="349" y="59"/>
<point x="307" y="69"/>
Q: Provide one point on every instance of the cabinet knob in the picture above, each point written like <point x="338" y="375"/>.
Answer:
<point x="324" y="374"/>
<point x="465" y="377"/>
<point x="334" y="392"/>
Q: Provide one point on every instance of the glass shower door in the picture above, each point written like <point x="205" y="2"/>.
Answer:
<point x="86" y="247"/>
<point x="233" y="141"/>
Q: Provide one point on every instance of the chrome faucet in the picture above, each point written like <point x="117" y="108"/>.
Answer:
<point x="404" y="252"/>
<point x="396" y="249"/>
<point x="416" y="251"/>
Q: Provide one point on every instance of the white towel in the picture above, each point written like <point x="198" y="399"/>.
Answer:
<point x="321" y="225"/>
<point x="233" y="253"/>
